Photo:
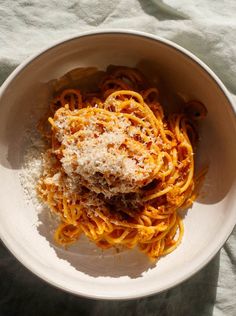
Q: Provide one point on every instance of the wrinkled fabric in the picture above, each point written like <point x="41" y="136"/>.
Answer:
<point x="206" y="28"/>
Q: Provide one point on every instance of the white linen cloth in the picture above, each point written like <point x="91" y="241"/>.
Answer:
<point x="205" y="27"/>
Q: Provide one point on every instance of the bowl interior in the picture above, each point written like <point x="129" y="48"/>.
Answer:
<point x="84" y="269"/>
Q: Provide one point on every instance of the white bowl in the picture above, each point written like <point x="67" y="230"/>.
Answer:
<point x="82" y="269"/>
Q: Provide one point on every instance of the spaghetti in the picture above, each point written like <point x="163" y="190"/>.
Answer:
<point x="118" y="170"/>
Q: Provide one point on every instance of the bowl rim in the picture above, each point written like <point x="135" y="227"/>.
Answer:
<point x="142" y="293"/>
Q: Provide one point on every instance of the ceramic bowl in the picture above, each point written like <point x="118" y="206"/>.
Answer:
<point x="83" y="269"/>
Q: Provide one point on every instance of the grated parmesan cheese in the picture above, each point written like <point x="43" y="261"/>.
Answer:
<point x="96" y="156"/>
<point x="31" y="170"/>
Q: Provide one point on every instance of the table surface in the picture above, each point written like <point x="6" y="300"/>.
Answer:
<point x="208" y="29"/>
